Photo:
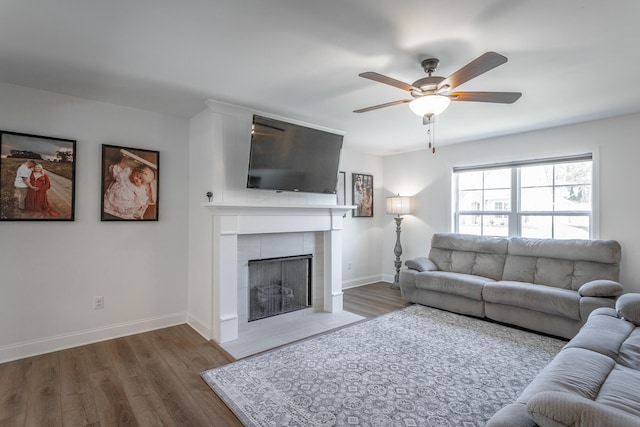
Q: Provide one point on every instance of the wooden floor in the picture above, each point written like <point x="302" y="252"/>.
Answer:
<point x="149" y="379"/>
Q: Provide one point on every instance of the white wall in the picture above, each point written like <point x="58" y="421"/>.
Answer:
<point x="51" y="271"/>
<point x="362" y="237"/>
<point x="614" y="143"/>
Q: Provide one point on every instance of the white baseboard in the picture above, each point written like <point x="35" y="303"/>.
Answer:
<point x="200" y="328"/>
<point x="89" y="336"/>
<point x="354" y="283"/>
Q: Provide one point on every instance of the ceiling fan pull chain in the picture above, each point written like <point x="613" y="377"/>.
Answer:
<point x="431" y="132"/>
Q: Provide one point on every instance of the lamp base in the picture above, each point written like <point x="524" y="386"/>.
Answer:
<point x="397" y="251"/>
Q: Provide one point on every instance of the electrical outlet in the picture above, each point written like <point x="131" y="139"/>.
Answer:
<point x="349" y="266"/>
<point x="98" y="303"/>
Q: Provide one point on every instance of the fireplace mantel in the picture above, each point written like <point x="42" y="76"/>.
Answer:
<point x="225" y="209"/>
<point x="231" y="220"/>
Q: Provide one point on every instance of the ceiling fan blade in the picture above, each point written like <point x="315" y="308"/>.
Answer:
<point x="388" y="104"/>
<point x="388" y="81"/>
<point x="499" y="97"/>
<point x="480" y="65"/>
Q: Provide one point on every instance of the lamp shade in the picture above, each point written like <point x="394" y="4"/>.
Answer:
<point x="399" y="205"/>
<point x="429" y="105"/>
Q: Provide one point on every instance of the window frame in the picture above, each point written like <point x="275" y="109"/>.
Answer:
<point x="515" y="215"/>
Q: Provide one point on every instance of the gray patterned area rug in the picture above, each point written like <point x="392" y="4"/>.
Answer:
<point x="414" y="367"/>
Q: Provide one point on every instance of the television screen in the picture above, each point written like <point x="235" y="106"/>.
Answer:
<point x="290" y="157"/>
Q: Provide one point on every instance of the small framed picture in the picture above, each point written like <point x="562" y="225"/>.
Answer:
<point x="362" y="194"/>
<point x="37" y="177"/>
<point x="129" y="184"/>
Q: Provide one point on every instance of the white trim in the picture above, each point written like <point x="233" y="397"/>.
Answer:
<point x="200" y="328"/>
<point x="88" y="336"/>
<point x="367" y="280"/>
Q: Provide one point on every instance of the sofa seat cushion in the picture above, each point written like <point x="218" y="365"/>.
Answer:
<point x="573" y="370"/>
<point x="629" y="354"/>
<point x="541" y="298"/>
<point x="461" y="284"/>
<point x="620" y="390"/>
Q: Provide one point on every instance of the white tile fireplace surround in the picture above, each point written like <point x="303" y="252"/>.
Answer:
<point x="278" y="229"/>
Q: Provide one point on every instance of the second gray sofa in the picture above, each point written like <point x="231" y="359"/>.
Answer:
<point x="546" y="285"/>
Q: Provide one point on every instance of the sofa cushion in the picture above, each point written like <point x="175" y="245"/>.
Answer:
<point x="556" y="409"/>
<point x="629" y="354"/>
<point x="602" y="325"/>
<point x="519" y="268"/>
<point x="476" y="255"/>
<point x="554" y="272"/>
<point x="620" y="390"/>
<point x="545" y="299"/>
<point x="465" y="285"/>
<point x="628" y="307"/>
<point x="601" y="251"/>
<point x="573" y="370"/>
<point x="587" y="271"/>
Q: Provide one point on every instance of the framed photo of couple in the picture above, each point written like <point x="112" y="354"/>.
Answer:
<point x="37" y="177"/>
<point x="129" y="184"/>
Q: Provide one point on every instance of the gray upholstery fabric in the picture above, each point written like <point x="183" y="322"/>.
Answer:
<point x="479" y="255"/>
<point x="545" y="299"/>
<point x="556" y="409"/>
<point x="628" y="353"/>
<point x="420" y="264"/>
<point x="543" y="280"/>
<point x="463" y="242"/>
<point x="589" y="304"/>
<point x="602" y="251"/>
<point x="534" y="320"/>
<point x="601" y="288"/>
<point x="465" y="285"/>
<point x="593" y="381"/>
<point x="512" y="415"/>
<point x="561" y="374"/>
<point x="628" y="307"/>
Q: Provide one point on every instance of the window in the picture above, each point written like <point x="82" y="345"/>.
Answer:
<point x="550" y="198"/>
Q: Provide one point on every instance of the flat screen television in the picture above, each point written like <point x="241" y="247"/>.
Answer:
<point x="290" y="157"/>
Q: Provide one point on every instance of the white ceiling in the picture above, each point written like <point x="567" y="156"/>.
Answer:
<point x="573" y="60"/>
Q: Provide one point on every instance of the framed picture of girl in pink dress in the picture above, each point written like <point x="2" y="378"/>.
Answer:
<point x="37" y="177"/>
<point x="129" y="184"/>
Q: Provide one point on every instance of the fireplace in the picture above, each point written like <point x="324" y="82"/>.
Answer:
<point x="279" y="285"/>
<point x="218" y="275"/>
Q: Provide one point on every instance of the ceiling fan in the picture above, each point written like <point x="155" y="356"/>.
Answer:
<point x="432" y="94"/>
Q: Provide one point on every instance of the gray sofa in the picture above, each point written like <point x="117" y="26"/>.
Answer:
<point x="593" y="382"/>
<point x="546" y="285"/>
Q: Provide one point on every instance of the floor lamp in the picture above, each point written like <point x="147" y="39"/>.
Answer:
<point x="398" y="205"/>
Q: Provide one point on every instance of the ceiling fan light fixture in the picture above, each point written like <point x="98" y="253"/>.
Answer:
<point x="429" y="105"/>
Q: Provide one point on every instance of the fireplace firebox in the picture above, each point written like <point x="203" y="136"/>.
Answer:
<point x="279" y="285"/>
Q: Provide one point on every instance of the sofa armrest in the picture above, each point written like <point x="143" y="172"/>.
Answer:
<point x="558" y="408"/>
<point x="421" y="264"/>
<point x="601" y="288"/>
<point x="628" y="308"/>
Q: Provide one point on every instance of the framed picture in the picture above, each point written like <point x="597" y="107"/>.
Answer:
<point x="362" y="194"/>
<point x="129" y="184"/>
<point x="341" y="189"/>
<point x="37" y="177"/>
